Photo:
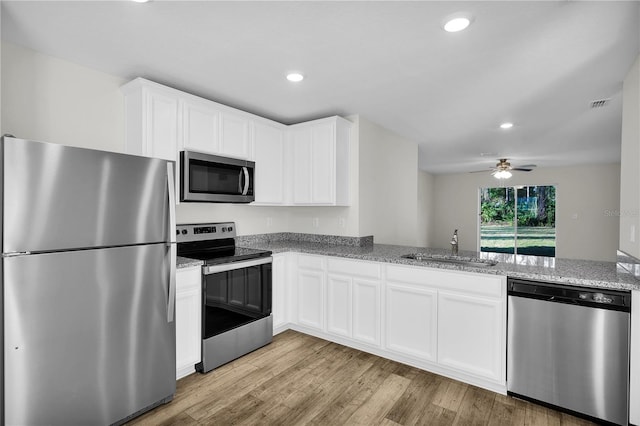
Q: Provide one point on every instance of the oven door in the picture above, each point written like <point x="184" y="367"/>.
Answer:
<point x="236" y="294"/>
<point x="215" y="179"/>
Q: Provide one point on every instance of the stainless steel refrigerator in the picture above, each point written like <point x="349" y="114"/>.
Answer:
<point x="88" y="284"/>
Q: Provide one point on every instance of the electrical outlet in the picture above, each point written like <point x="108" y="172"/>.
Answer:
<point x="316" y="222"/>
<point x="632" y="234"/>
<point x="269" y="222"/>
<point x="342" y="222"/>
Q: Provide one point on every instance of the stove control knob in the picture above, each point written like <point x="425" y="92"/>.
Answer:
<point x="230" y="228"/>
<point x="184" y="232"/>
<point x="224" y="229"/>
<point x="177" y="232"/>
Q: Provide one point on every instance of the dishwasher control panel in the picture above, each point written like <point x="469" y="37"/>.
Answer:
<point x="604" y="298"/>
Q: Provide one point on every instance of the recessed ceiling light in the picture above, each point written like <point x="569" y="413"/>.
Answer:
<point x="456" y="24"/>
<point x="506" y="125"/>
<point x="295" y="77"/>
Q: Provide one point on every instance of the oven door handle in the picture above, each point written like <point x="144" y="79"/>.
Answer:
<point x="214" y="269"/>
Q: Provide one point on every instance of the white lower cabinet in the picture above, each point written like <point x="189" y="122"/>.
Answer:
<point x="366" y="311"/>
<point x="188" y="320"/>
<point x="452" y="323"/>
<point x="634" y="397"/>
<point x="280" y="301"/>
<point x="311" y="292"/>
<point x="339" y="301"/>
<point x="411" y="321"/>
<point x="455" y="320"/>
<point x="470" y="334"/>
<point x="353" y="300"/>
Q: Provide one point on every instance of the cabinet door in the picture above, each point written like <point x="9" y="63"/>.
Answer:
<point x="411" y="321"/>
<point x="366" y="311"/>
<point x="234" y="136"/>
<point x="311" y="298"/>
<point x="339" y="305"/>
<point x="200" y="127"/>
<point x="269" y="157"/>
<point x="161" y="136"/>
<point x="470" y="334"/>
<point x="188" y="320"/>
<point x="280" y="290"/>
<point x="323" y="170"/>
<point x="302" y="151"/>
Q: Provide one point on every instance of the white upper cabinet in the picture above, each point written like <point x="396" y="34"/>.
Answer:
<point x="151" y="120"/>
<point x="235" y="138"/>
<point x="301" y="165"/>
<point x="269" y="155"/>
<point x="200" y="124"/>
<point x="304" y="164"/>
<point x="320" y="162"/>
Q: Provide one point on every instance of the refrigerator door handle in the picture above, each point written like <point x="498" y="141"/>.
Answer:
<point x="171" y="242"/>
<point x="172" y="283"/>
<point x="171" y="186"/>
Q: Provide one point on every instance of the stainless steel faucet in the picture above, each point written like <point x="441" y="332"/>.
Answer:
<point x="454" y="243"/>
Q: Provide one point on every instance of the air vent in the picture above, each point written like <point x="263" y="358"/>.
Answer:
<point x="599" y="103"/>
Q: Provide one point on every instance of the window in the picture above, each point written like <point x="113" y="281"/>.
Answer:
<point x="518" y="220"/>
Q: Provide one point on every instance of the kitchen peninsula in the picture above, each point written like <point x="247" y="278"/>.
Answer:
<point x="446" y="318"/>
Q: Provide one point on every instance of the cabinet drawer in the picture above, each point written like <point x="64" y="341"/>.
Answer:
<point x="354" y="268"/>
<point x="467" y="282"/>
<point x="310" y="262"/>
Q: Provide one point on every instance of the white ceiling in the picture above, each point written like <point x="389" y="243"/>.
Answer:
<point x="538" y="64"/>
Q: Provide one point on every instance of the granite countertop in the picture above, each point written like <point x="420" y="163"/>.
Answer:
<point x="185" y="262"/>
<point x="566" y="271"/>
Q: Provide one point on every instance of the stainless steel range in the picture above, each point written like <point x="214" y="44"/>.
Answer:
<point x="236" y="292"/>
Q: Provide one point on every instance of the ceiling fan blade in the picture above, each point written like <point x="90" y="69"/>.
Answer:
<point x="521" y="169"/>
<point x="482" y="171"/>
<point x="528" y="166"/>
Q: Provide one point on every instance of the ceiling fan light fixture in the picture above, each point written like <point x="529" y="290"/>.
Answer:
<point x="502" y="174"/>
<point x="506" y="125"/>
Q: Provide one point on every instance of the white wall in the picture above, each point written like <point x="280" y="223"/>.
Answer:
<point x="51" y="100"/>
<point x="630" y="163"/>
<point x="587" y="199"/>
<point x="388" y="185"/>
<point x="48" y="99"/>
<point x="426" y="209"/>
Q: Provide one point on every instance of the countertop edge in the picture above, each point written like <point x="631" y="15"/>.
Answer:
<point x="501" y="269"/>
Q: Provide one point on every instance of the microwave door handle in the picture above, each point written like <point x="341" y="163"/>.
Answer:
<point x="246" y="181"/>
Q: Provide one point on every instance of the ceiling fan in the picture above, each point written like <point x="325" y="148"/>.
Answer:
<point x="503" y="169"/>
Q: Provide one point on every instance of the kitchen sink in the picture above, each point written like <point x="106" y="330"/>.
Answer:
<point x="457" y="260"/>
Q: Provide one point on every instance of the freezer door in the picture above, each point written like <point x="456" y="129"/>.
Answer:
<point x="57" y="197"/>
<point x="88" y="339"/>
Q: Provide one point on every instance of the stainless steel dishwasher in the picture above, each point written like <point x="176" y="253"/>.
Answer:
<point x="568" y="347"/>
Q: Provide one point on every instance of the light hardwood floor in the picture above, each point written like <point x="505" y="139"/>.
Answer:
<point x="299" y="379"/>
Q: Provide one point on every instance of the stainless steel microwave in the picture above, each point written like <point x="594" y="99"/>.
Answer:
<point x="207" y="178"/>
